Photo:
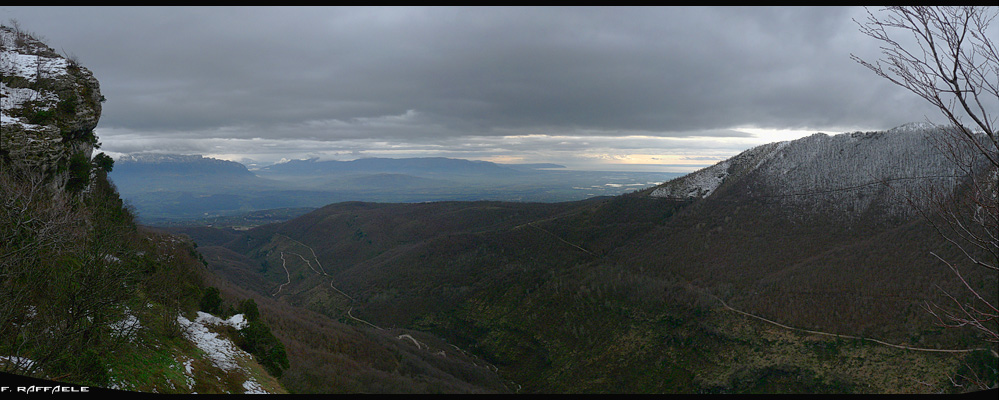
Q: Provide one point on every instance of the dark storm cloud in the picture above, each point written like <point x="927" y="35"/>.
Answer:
<point x="418" y="76"/>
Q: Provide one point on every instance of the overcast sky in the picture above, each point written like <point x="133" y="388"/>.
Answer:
<point x="590" y="88"/>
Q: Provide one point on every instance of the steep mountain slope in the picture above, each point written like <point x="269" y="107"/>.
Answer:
<point x="827" y="224"/>
<point x="830" y="225"/>
<point x="87" y="296"/>
<point x="630" y="294"/>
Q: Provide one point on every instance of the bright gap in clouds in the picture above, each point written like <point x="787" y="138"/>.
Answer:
<point x="693" y="153"/>
<point x="636" y="152"/>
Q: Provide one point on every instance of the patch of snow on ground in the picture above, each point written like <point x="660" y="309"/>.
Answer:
<point x="189" y="372"/>
<point x="126" y="327"/>
<point x="18" y="361"/>
<point x="237" y="321"/>
<point x="252" y="387"/>
<point x="221" y="351"/>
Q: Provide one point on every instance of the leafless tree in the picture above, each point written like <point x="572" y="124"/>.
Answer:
<point x="951" y="61"/>
<point x="956" y="67"/>
<point x="37" y="225"/>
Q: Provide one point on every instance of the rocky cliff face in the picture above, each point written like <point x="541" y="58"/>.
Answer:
<point x="847" y="174"/>
<point x="50" y="106"/>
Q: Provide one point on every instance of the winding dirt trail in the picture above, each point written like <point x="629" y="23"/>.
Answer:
<point x="288" y="274"/>
<point x="313" y="255"/>
<point x="322" y="272"/>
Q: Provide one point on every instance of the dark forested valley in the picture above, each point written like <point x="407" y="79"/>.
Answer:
<point x="736" y="292"/>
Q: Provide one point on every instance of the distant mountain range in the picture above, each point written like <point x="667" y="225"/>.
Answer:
<point x="167" y="189"/>
<point x="153" y="171"/>
<point x="412" y="166"/>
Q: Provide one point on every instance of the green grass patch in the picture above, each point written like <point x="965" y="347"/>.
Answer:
<point x="157" y="367"/>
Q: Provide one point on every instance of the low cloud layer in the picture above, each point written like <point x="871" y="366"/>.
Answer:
<point x="572" y="85"/>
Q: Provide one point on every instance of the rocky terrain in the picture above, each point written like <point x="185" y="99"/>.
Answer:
<point x="50" y="106"/>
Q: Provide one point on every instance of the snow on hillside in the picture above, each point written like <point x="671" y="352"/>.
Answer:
<point x="697" y="184"/>
<point x="222" y="352"/>
<point x="846" y="172"/>
<point x="219" y="350"/>
<point x="849" y="172"/>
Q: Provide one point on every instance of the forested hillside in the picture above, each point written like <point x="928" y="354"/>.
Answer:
<point x="726" y="291"/>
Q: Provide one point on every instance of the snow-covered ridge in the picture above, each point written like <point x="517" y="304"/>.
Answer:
<point x="846" y="172"/>
<point x="912" y="127"/>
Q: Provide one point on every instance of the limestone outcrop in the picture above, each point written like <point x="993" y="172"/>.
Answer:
<point x="49" y="107"/>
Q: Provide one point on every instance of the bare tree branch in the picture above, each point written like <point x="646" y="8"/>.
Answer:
<point x="954" y="65"/>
